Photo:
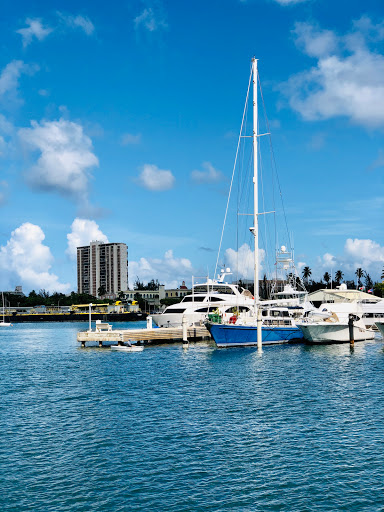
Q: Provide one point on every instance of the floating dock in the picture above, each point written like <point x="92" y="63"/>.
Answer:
<point x="142" y="336"/>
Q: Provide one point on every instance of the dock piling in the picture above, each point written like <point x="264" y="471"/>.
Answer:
<point x="90" y="317"/>
<point x="185" y="332"/>
<point x="259" y="332"/>
<point x="351" y="334"/>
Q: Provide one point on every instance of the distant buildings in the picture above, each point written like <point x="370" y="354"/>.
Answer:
<point x="102" y="269"/>
<point x="18" y="291"/>
<point x="153" y="298"/>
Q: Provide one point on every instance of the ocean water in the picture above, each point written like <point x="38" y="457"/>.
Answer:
<point x="296" y="428"/>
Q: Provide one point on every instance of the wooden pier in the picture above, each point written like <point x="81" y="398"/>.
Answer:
<point x="142" y="336"/>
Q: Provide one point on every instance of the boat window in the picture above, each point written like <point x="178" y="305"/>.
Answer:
<point x="215" y="299"/>
<point x="169" y="310"/>
<point x="226" y="290"/>
<point x="212" y="309"/>
<point x="196" y="298"/>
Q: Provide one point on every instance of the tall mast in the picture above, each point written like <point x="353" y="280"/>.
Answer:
<point x="255" y="186"/>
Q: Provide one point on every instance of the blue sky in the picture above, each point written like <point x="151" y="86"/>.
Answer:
<point x="119" y="122"/>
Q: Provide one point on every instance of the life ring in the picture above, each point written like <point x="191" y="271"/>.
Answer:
<point x="233" y="319"/>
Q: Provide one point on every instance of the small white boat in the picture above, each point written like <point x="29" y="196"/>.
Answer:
<point x="128" y="348"/>
<point x="380" y="326"/>
<point x="335" y="328"/>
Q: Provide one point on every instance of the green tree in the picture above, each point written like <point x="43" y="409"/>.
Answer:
<point x="339" y="276"/>
<point x="378" y="289"/>
<point x="101" y="291"/>
<point x="327" y="278"/>
<point x="44" y="294"/>
<point x="382" y="274"/>
<point x="368" y="281"/>
<point x="140" y="300"/>
<point x="359" y="274"/>
<point x="138" y="285"/>
<point x="306" y="272"/>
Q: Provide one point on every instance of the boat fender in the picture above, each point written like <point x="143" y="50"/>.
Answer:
<point x="233" y="319"/>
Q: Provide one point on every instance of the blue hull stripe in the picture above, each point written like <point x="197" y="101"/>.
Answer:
<point x="242" y="335"/>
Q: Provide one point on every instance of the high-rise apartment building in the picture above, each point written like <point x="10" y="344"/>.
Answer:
<point x="102" y="265"/>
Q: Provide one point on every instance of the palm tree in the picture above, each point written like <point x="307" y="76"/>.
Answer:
<point x="327" y="278"/>
<point x="359" y="274"/>
<point x="307" y="272"/>
<point x="101" y="291"/>
<point x="368" y="281"/>
<point x="338" y="276"/>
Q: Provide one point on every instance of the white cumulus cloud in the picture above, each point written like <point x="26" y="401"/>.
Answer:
<point x="209" y="175"/>
<point x="83" y="231"/>
<point x="358" y="253"/>
<point x="169" y="270"/>
<point x="9" y="78"/>
<point x="35" y="29"/>
<point x="66" y="158"/>
<point x="364" y="252"/>
<point x="153" y="178"/>
<point x="82" y="22"/>
<point x="241" y="262"/>
<point x="27" y="261"/>
<point x="150" y="20"/>
<point x="347" y="79"/>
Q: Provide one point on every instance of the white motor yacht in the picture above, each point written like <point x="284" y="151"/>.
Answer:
<point x="334" y="328"/>
<point x="371" y="307"/>
<point x="213" y="296"/>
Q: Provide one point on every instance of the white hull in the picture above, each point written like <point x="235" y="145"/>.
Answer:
<point x="175" y="319"/>
<point x="5" y="324"/>
<point x="370" y="321"/>
<point x="324" y="332"/>
<point x="126" y="348"/>
<point x="380" y="326"/>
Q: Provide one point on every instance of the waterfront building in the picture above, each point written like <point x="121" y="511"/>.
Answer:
<point x="152" y="298"/>
<point x="18" y="291"/>
<point x="102" y="266"/>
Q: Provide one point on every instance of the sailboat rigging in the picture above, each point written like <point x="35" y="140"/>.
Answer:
<point x="278" y="324"/>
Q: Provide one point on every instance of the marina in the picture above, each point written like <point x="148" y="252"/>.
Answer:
<point x="192" y="256"/>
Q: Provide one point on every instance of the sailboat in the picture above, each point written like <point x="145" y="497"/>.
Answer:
<point x="3" y="323"/>
<point x="277" y="325"/>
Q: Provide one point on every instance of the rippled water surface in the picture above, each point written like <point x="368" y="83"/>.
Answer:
<point x="294" y="429"/>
